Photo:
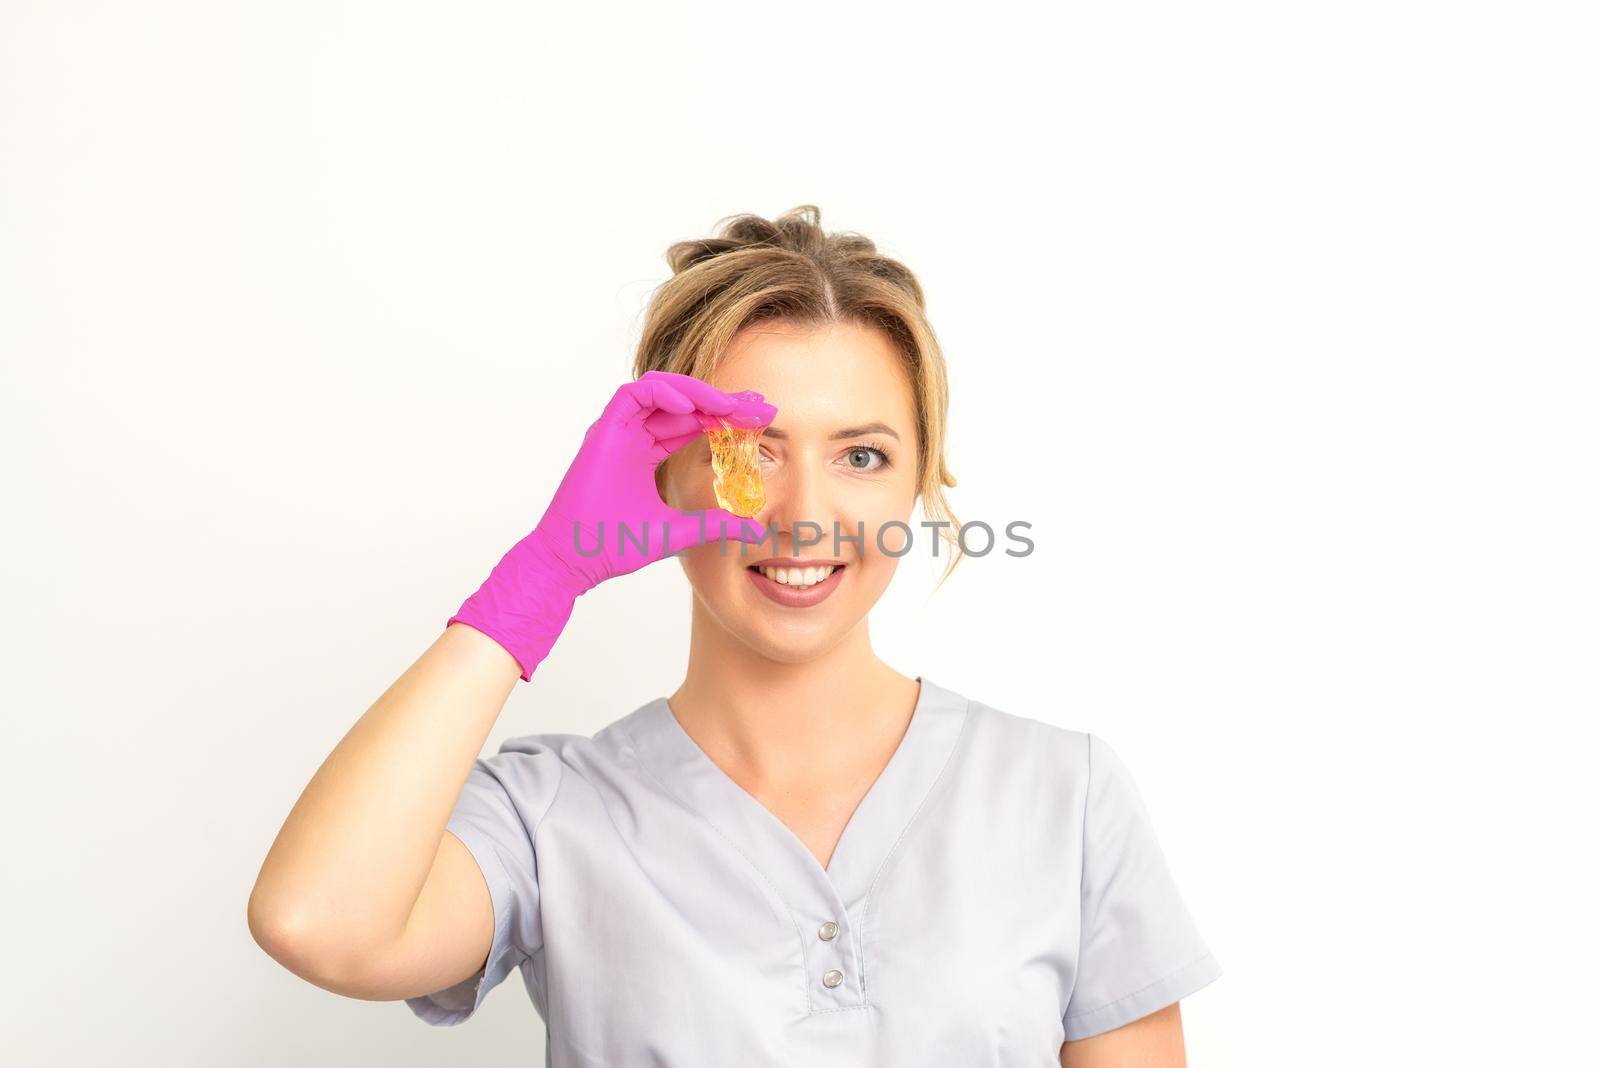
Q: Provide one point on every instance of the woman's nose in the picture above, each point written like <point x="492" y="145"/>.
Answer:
<point x="799" y="493"/>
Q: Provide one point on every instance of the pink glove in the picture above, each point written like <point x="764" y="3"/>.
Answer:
<point x="609" y="490"/>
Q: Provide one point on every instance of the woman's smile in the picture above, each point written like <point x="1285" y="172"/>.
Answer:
<point x="796" y="583"/>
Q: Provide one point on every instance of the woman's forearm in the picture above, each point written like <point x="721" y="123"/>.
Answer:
<point x="354" y="853"/>
<point x="347" y="869"/>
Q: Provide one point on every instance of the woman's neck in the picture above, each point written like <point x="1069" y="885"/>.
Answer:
<point x="771" y="723"/>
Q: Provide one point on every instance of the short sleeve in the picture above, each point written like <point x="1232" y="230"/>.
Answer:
<point x="496" y="816"/>
<point x="1139" y="949"/>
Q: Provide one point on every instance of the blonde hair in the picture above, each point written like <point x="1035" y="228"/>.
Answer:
<point x="789" y="269"/>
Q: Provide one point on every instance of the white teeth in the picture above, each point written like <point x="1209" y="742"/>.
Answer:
<point x="799" y="577"/>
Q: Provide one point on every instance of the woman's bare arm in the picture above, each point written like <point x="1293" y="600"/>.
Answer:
<point x="363" y="893"/>
<point x="1153" y="1041"/>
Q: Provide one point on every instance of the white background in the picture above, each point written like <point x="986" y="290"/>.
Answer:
<point x="1277" y="320"/>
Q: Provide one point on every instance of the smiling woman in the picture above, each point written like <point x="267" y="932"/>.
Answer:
<point x="785" y="303"/>
<point x="842" y="456"/>
<point x="801" y="855"/>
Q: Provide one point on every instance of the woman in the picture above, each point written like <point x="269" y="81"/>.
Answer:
<point x="799" y="857"/>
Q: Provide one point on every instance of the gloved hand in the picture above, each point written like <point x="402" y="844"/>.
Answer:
<point x="609" y="490"/>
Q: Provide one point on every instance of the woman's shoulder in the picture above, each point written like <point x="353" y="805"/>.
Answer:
<point x="1081" y="761"/>
<point x="1022" y="729"/>
<point x="585" y="756"/>
<point x="1009" y="741"/>
<point x="570" y="744"/>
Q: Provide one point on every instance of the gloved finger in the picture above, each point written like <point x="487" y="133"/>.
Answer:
<point x="664" y="425"/>
<point x="688" y="529"/>
<point x="751" y="410"/>
<point x="749" y="415"/>
<point x="665" y="447"/>
<point x="746" y="408"/>
<point x="705" y="396"/>
<point x="645" y="395"/>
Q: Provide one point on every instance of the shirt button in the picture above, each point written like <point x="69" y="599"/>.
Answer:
<point x="827" y="931"/>
<point x="832" y="977"/>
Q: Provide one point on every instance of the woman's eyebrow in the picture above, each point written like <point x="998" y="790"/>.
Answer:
<point x="845" y="432"/>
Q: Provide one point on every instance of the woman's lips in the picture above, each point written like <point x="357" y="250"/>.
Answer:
<point x="789" y="595"/>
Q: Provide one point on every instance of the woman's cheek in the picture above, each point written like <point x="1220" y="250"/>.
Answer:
<point x="885" y="520"/>
<point x="888" y="538"/>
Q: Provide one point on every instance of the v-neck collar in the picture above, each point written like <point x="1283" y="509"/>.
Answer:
<point x="869" y="839"/>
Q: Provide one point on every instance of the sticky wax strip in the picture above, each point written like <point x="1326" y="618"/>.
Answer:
<point x="735" y="465"/>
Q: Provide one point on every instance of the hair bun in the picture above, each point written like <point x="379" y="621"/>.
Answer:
<point x="797" y="230"/>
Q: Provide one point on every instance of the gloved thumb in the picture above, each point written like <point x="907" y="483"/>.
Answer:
<point x="688" y="529"/>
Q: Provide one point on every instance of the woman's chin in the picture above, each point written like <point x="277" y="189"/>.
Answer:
<point x="785" y="640"/>
<point x="790" y="649"/>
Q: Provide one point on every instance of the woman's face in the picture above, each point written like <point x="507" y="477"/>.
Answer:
<point x="839" y="458"/>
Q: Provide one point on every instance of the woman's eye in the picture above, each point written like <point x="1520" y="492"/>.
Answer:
<point x="860" y="458"/>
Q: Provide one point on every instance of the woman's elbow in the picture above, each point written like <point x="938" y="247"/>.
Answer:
<point x="306" y="947"/>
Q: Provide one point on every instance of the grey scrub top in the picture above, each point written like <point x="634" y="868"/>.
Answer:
<point x="998" y="890"/>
